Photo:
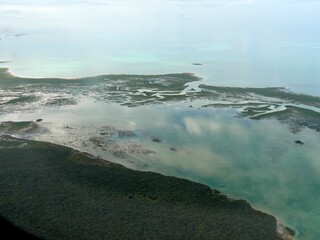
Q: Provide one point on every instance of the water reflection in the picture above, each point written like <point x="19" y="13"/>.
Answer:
<point x="239" y="45"/>
<point x="254" y="160"/>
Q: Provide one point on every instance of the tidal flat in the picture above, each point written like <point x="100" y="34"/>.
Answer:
<point x="240" y="141"/>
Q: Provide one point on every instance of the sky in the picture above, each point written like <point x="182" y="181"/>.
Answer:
<point x="296" y="21"/>
<point x="224" y="14"/>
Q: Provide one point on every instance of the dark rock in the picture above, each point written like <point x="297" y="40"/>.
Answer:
<point x="299" y="142"/>
<point x="39" y="120"/>
<point x="173" y="149"/>
<point x="157" y="140"/>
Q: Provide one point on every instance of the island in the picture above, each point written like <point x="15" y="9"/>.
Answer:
<point x="55" y="192"/>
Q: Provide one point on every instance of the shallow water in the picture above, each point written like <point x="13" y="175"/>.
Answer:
<point x="227" y="43"/>
<point x="254" y="160"/>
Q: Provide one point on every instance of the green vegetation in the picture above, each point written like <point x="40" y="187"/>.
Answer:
<point x="259" y="101"/>
<point x="128" y="90"/>
<point x="116" y="81"/>
<point x="140" y="88"/>
<point x="273" y="92"/>
<point x="58" y="193"/>
<point x="295" y="117"/>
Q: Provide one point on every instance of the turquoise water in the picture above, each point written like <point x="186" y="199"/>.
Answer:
<point x="239" y="43"/>
<point x="254" y="160"/>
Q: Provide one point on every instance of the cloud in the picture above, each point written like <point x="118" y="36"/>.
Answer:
<point x="202" y="126"/>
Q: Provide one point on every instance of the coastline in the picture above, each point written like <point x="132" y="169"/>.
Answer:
<point x="172" y="195"/>
<point x="210" y="98"/>
<point x="286" y="233"/>
<point x="286" y="112"/>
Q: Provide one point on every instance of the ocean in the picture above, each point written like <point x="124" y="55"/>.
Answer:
<point x="237" y="43"/>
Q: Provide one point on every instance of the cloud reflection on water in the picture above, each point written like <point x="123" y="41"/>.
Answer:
<point x="255" y="160"/>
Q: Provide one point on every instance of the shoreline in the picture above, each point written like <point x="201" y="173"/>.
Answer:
<point x="284" y="233"/>
<point x="5" y="71"/>
<point x="252" y="110"/>
<point x="29" y="126"/>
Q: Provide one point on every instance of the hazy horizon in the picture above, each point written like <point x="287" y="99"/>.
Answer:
<point x="240" y="42"/>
